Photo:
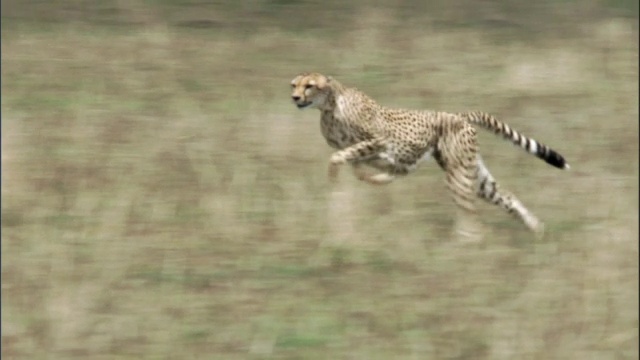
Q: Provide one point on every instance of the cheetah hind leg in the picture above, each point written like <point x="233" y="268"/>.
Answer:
<point x="467" y="228"/>
<point x="456" y="155"/>
<point x="488" y="190"/>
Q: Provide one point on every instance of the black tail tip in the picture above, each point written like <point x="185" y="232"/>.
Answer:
<point x="557" y="160"/>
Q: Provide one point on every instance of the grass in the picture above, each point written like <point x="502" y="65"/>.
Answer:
<point x="162" y="198"/>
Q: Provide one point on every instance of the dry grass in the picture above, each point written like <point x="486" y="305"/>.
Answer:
<point x="162" y="198"/>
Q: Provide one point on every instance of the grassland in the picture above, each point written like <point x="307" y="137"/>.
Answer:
<point x="162" y="198"/>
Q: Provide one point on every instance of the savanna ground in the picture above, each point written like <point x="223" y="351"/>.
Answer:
<point x="163" y="198"/>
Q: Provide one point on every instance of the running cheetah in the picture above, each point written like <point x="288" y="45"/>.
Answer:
<point x="369" y="136"/>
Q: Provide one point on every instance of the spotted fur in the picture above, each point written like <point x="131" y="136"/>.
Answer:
<point x="392" y="142"/>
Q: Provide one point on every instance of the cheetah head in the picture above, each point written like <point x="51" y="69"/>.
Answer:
<point x="310" y="90"/>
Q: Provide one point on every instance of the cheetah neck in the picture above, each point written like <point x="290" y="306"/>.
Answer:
<point x="336" y="90"/>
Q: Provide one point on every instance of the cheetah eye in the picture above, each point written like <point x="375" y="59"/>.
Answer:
<point x="308" y="86"/>
<point x="293" y="85"/>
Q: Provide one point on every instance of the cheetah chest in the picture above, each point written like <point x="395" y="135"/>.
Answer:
<point x="339" y="134"/>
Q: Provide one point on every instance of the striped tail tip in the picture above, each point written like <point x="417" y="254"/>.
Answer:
<point x="566" y="166"/>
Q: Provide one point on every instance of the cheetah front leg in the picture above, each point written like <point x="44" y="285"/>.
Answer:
<point x="352" y="154"/>
<point x="381" y="178"/>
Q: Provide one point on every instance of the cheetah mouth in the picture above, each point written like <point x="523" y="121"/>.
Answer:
<point x="303" y="105"/>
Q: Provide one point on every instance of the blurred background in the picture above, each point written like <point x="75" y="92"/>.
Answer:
<point x="163" y="198"/>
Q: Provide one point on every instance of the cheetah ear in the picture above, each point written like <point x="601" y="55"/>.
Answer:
<point x="323" y="81"/>
<point x="295" y="79"/>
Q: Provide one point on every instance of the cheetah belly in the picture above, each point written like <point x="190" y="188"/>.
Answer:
<point x="427" y="154"/>
<point x="390" y="159"/>
<point x="424" y="157"/>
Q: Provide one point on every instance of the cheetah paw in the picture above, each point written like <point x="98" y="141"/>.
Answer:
<point x="334" y="167"/>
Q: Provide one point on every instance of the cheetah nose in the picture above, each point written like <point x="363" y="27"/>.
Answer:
<point x="295" y="98"/>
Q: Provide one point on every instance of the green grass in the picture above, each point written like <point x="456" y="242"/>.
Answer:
<point x="162" y="198"/>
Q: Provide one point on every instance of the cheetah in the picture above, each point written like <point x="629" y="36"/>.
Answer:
<point x="382" y="143"/>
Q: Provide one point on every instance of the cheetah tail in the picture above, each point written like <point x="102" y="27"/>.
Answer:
<point x="542" y="151"/>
